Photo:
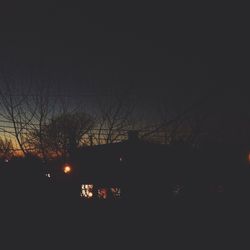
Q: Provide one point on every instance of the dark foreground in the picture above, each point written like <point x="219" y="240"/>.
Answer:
<point x="179" y="224"/>
<point x="36" y="214"/>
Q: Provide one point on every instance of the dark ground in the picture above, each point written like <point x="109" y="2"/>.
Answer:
<point x="121" y="225"/>
<point x="33" y="215"/>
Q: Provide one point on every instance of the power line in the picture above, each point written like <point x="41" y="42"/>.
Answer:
<point x="59" y="95"/>
<point x="145" y="129"/>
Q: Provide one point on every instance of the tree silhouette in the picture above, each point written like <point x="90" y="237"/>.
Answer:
<point x="114" y="118"/>
<point x="14" y="107"/>
<point x="63" y="134"/>
<point x="6" y="148"/>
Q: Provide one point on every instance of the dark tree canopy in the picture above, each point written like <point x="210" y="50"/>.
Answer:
<point x="64" y="134"/>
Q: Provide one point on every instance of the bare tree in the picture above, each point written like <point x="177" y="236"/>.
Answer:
<point x="63" y="134"/>
<point x="6" y="148"/>
<point x="28" y="113"/>
<point x="44" y="106"/>
<point x="182" y="125"/>
<point x="13" y="108"/>
<point x="114" y="117"/>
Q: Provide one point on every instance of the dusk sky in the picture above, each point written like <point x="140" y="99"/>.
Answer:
<point x="178" y="52"/>
<point x="120" y="119"/>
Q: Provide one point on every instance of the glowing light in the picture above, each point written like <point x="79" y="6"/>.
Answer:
<point x="102" y="193"/>
<point x="116" y="192"/>
<point x="67" y="169"/>
<point x="87" y="191"/>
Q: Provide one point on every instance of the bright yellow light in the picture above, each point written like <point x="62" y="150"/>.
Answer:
<point x="87" y="191"/>
<point x="67" y="169"/>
